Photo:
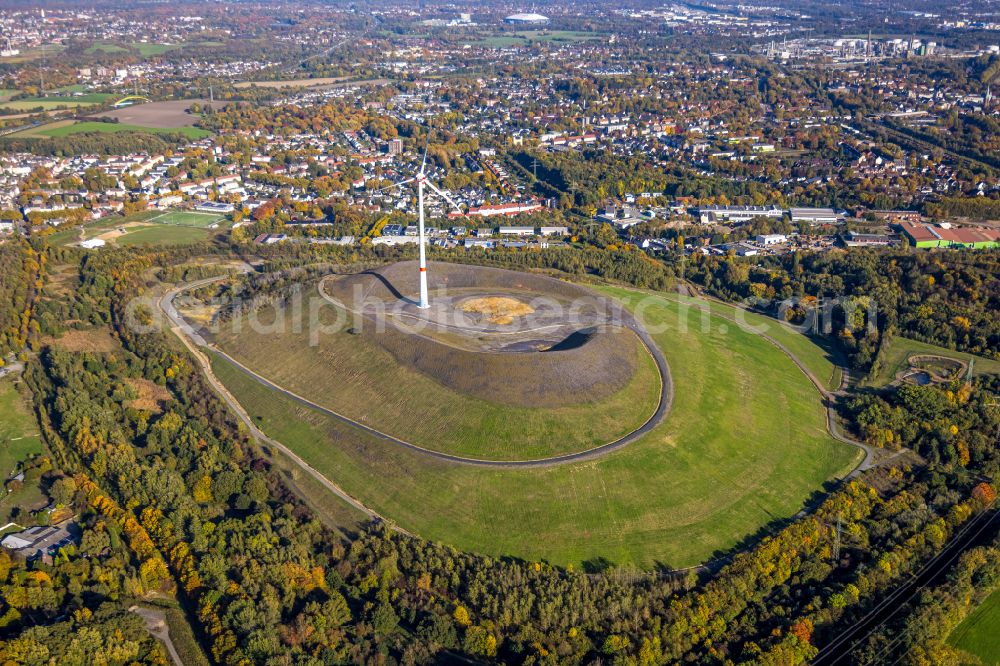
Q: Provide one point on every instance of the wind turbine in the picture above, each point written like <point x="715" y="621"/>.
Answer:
<point x="421" y="180"/>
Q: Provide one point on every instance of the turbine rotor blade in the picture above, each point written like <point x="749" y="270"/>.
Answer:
<point x="394" y="185"/>
<point x="443" y="195"/>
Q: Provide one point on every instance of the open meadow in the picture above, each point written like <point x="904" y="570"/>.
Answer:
<point x="69" y="127"/>
<point x="744" y="445"/>
<point x="18" y="431"/>
<point x="145" y="49"/>
<point x="19" y="440"/>
<point x="979" y="633"/>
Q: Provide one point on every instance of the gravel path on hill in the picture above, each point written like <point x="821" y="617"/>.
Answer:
<point x="193" y="340"/>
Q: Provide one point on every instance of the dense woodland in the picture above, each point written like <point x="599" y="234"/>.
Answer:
<point x="21" y="274"/>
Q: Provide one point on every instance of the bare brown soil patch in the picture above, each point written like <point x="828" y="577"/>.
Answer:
<point x="91" y="340"/>
<point x="497" y="309"/>
<point x="161" y="115"/>
<point x="151" y="395"/>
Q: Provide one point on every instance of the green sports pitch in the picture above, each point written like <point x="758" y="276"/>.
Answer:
<point x="184" y="218"/>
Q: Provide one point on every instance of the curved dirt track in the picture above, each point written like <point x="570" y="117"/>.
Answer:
<point x="166" y="305"/>
<point x="829" y="397"/>
<point x="663" y="407"/>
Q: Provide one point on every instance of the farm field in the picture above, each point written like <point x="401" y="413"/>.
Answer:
<point x="355" y="376"/>
<point x="900" y="349"/>
<point x="67" y="128"/>
<point x="734" y="454"/>
<point x="171" y="114"/>
<point x="55" y="101"/>
<point x="979" y="634"/>
<point x="18" y="431"/>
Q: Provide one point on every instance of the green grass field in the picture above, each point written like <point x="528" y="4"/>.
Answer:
<point x="163" y="234"/>
<point x="53" y="102"/>
<point x="817" y="359"/>
<point x="145" y="49"/>
<point x="105" y="47"/>
<point x="522" y="37"/>
<point x="744" y="445"/>
<point x="354" y="376"/>
<point x="60" y="129"/>
<point x="18" y="431"/>
<point x="141" y="228"/>
<point x="185" y="218"/>
<point x="92" y="229"/>
<point x="900" y="349"/>
<point x="979" y="634"/>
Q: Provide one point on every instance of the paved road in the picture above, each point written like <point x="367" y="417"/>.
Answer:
<point x="663" y="407"/>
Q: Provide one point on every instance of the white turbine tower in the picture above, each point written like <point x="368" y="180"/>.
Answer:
<point x="421" y="180"/>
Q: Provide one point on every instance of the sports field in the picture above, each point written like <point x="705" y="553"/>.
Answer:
<point x="152" y="227"/>
<point x="895" y="357"/>
<point x="979" y="634"/>
<point x="18" y="431"/>
<point x="744" y="445"/>
<point x="186" y="218"/>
